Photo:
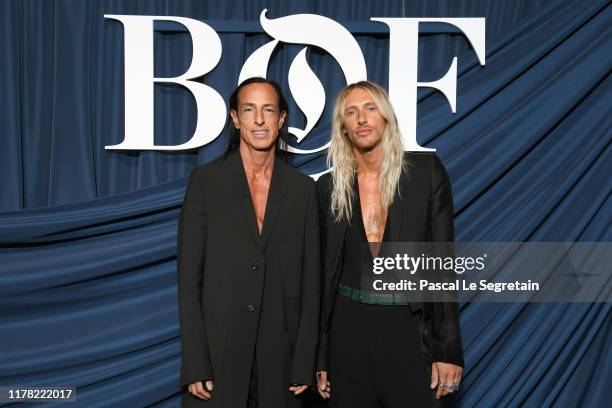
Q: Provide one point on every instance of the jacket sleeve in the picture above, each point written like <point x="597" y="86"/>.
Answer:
<point x="195" y="361"/>
<point x="446" y="330"/>
<point x="306" y="343"/>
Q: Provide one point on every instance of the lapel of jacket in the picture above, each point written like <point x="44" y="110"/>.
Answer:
<point x="274" y="202"/>
<point x="243" y="195"/>
<point x="397" y="210"/>
<point x="335" y="234"/>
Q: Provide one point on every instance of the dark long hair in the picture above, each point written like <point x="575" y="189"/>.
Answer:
<point x="234" y="134"/>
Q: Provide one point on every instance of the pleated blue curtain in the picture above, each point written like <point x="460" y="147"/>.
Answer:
<point x="62" y="81"/>
<point x="88" y="236"/>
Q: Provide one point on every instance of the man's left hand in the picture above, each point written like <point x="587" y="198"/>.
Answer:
<point x="297" y="389"/>
<point x="446" y="377"/>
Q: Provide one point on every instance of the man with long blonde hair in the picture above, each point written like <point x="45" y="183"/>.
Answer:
<point x="381" y="351"/>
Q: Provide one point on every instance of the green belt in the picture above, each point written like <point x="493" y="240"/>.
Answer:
<point x="373" y="298"/>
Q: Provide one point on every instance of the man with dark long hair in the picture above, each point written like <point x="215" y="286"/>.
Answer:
<point x="381" y="351"/>
<point x="248" y="267"/>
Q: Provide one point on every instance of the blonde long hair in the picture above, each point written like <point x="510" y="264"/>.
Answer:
<point x="340" y="155"/>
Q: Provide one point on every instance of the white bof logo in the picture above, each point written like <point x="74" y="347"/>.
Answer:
<point x="305" y="87"/>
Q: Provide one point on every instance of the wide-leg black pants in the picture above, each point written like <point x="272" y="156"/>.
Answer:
<point x="375" y="357"/>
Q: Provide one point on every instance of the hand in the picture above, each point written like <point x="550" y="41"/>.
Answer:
<point x="197" y="389"/>
<point x="297" y="389"/>
<point x="323" y="386"/>
<point x="444" y="373"/>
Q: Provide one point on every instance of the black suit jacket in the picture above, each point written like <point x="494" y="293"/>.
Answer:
<point x="422" y="212"/>
<point x="244" y="296"/>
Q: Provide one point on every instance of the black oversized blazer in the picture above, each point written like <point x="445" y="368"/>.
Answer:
<point x="240" y="292"/>
<point x="422" y="212"/>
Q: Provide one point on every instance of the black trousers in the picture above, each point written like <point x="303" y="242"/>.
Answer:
<point x="375" y="357"/>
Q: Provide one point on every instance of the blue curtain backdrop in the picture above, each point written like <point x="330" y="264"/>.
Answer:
<point x="88" y="236"/>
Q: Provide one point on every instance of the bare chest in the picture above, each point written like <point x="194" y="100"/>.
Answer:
<point x="259" y="188"/>
<point x="373" y="214"/>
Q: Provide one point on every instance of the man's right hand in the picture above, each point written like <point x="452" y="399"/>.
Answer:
<point x="197" y="389"/>
<point x="323" y="386"/>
